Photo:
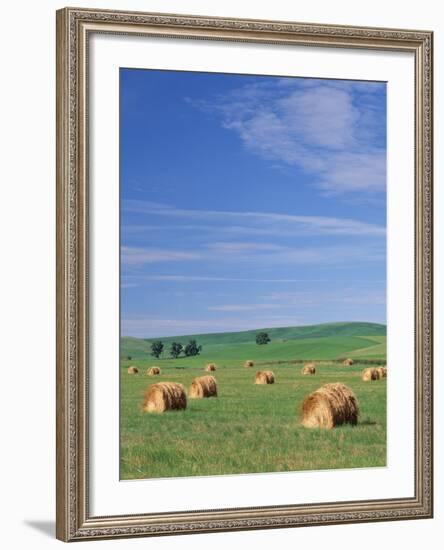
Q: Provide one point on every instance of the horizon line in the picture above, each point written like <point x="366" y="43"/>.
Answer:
<point x="254" y="329"/>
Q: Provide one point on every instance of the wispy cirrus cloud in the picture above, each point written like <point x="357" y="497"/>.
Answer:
<point x="347" y="297"/>
<point x="243" y="307"/>
<point x="131" y="280"/>
<point x="138" y="256"/>
<point x="242" y="247"/>
<point x="317" y="126"/>
<point x="257" y="222"/>
<point x="257" y="255"/>
<point x="255" y="252"/>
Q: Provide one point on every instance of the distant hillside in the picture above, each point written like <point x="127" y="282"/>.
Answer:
<point x="139" y="346"/>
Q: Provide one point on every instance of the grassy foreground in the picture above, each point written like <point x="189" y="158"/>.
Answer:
<point x="250" y="428"/>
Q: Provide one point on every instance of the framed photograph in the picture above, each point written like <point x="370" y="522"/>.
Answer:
<point x="244" y="274"/>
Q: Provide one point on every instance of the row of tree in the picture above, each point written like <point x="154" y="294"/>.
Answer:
<point x="189" y="350"/>
<point x="192" y="348"/>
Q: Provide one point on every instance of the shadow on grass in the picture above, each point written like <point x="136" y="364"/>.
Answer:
<point x="367" y="423"/>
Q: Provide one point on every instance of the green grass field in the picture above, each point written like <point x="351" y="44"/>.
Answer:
<point x="250" y="428"/>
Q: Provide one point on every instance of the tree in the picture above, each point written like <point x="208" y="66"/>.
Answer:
<point x="156" y="349"/>
<point x="192" y="348"/>
<point x="262" y="338"/>
<point x="176" y="349"/>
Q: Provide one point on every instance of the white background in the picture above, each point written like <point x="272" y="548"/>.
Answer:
<point x="27" y="301"/>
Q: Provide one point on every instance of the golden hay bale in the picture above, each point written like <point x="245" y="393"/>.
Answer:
<point x="308" y="368"/>
<point x="330" y="406"/>
<point x="347" y="362"/>
<point x="264" y="377"/>
<point x="382" y="372"/>
<point x="211" y="367"/>
<point x="203" y="386"/>
<point x="370" y="373"/>
<point x="164" y="396"/>
<point x="248" y="364"/>
<point x="133" y="370"/>
<point x="153" y="371"/>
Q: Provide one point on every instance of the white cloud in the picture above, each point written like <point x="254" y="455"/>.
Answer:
<point x="139" y="256"/>
<point x="240" y="248"/>
<point x="344" y="296"/>
<point x="244" y="307"/>
<point x="356" y="171"/>
<point x="259" y="222"/>
<point x="258" y="256"/>
<point x="209" y="247"/>
<point x="324" y="116"/>
<point x="347" y="298"/>
<point x="315" y="125"/>
<point x="137" y="280"/>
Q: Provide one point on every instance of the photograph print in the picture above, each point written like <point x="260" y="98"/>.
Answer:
<point x="252" y="274"/>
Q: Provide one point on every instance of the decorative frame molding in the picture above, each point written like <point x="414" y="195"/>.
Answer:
<point x="73" y="519"/>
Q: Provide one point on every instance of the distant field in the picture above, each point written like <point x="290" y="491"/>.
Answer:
<point x="333" y="347"/>
<point x="138" y="347"/>
<point x="250" y="428"/>
<point x="377" y="350"/>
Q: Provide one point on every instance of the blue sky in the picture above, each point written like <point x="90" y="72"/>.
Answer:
<point x="250" y="202"/>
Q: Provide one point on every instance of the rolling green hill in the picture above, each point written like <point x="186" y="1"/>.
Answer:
<point x="325" y="341"/>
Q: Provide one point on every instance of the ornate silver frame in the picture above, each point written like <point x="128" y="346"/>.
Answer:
<point x="73" y="519"/>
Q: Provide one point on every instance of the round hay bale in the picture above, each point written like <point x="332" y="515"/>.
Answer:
<point x="203" y="386"/>
<point x="382" y="372"/>
<point x="330" y="406"/>
<point x="153" y="371"/>
<point x="211" y="367"/>
<point x="164" y="396"/>
<point x="347" y="362"/>
<point x="248" y="364"/>
<point x="371" y="373"/>
<point x="133" y="370"/>
<point x="264" y="377"/>
<point x="308" y="368"/>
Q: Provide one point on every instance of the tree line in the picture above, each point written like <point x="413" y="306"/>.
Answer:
<point x="176" y="349"/>
<point x="192" y="348"/>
